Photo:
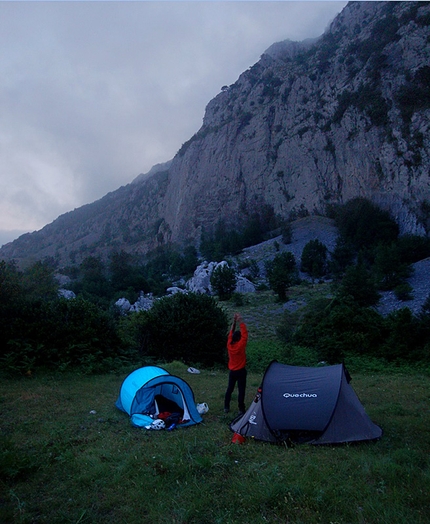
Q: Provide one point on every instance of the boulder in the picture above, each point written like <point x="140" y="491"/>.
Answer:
<point x="244" y="285"/>
<point x="174" y="289"/>
<point x="66" y="293"/>
<point x="123" y="304"/>
<point x="201" y="279"/>
<point x="143" y="303"/>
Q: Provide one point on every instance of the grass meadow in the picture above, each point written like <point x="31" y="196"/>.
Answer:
<point x="60" y="463"/>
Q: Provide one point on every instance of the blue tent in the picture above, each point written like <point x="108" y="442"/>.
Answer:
<point x="151" y="390"/>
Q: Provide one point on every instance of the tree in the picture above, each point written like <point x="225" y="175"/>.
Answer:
<point x="314" y="259"/>
<point x="389" y="271"/>
<point x="93" y="282"/>
<point x="75" y="333"/>
<point x="223" y="281"/>
<point x="38" y="282"/>
<point x="126" y="275"/>
<point x="11" y="301"/>
<point x="10" y="283"/>
<point x="286" y="232"/>
<point x="281" y="273"/>
<point x="403" y="338"/>
<point x="342" y="257"/>
<point x="413" y="248"/>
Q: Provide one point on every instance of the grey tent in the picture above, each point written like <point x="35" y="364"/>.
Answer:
<point x="306" y="404"/>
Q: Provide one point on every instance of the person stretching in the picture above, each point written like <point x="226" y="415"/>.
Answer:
<point x="236" y="347"/>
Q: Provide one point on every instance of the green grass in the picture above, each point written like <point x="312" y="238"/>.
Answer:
<point x="61" y="464"/>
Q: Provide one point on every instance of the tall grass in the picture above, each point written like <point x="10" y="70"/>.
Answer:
<point x="61" y="463"/>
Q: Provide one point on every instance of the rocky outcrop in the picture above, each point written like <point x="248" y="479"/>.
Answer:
<point x="310" y="125"/>
<point x="199" y="283"/>
<point x="143" y="303"/>
<point x="201" y="279"/>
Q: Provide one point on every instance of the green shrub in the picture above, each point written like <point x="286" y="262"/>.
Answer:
<point x="92" y="282"/>
<point x="413" y="248"/>
<point x="260" y="353"/>
<point x="286" y="232"/>
<point x="336" y="327"/>
<point x="404" y="291"/>
<point x="402" y="341"/>
<point x="222" y="241"/>
<point x="251" y="229"/>
<point x="254" y="269"/>
<point x="359" y="284"/>
<point x="61" y="334"/>
<point x="388" y="269"/>
<point x="38" y="282"/>
<point x="18" y="357"/>
<point x="300" y="356"/>
<point x="238" y="299"/>
<point x="365" y="364"/>
<point x="342" y="257"/>
<point x="126" y="273"/>
<point x="190" y="328"/>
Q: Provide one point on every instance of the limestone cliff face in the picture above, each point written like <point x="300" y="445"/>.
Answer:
<point x="310" y="124"/>
<point x="317" y="123"/>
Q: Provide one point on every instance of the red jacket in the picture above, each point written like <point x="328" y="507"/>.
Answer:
<point x="237" y="351"/>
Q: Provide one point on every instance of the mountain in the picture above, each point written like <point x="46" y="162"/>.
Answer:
<point x="310" y="125"/>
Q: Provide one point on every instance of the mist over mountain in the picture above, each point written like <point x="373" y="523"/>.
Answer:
<point x="310" y="125"/>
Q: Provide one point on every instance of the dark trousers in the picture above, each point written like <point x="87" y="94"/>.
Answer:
<point x="238" y="376"/>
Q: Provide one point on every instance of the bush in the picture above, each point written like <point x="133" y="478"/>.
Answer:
<point x="300" y="356"/>
<point x="404" y="291"/>
<point x="358" y="284"/>
<point x="336" y="327"/>
<point x="190" y="328"/>
<point x="388" y="269"/>
<point x="402" y="342"/>
<point x="413" y="248"/>
<point x="259" y="354"/>
<point x="287" y="232"/>
<point x="253" y="228"/>
<point x="61" y="334"/>
<point x="342" y="257"/>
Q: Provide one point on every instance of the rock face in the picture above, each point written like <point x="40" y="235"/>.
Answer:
<point x="309" y="125"/>
<point x="314" y="124"/>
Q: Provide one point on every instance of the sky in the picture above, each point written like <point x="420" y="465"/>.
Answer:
<point x="94" y="93"/>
